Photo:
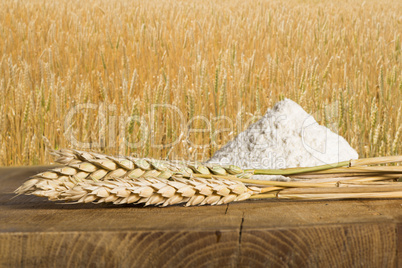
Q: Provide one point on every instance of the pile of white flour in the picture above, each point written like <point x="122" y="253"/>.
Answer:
<point x="286" y="136"/>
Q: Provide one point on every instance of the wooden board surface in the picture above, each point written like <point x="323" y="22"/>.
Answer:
<point x="265" y="233"/>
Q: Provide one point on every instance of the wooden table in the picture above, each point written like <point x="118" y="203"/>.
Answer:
<point x="354" y="233"/>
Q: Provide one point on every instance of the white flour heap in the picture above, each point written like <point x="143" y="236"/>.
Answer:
<point x="286" y="136"/>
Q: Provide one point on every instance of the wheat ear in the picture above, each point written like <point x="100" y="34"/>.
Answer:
<point x="85" y="165"/>
<point x="150" y="191"/>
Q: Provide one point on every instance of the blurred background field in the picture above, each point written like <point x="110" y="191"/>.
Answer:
<point x="219" y="64"/>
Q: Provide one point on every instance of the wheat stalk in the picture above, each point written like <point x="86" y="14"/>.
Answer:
<point x="85" y="165"/>
<point x="88" y="165"/>
<point x="149" y="191"/>
<point x="92" y="177"/>
<point x="81" y="166"/>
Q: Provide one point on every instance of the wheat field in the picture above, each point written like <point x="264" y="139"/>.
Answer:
<point x="178" y="79"/>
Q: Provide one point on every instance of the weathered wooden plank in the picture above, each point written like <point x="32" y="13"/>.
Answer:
<point x="36" y="232"/>
<point x="326" y="246"/>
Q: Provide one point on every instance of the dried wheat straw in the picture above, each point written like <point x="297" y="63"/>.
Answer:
<point x="329" y="196"/>
<point x="338" y="190"/>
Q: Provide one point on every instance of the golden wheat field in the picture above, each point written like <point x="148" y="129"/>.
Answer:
<point x="178" y="79"/>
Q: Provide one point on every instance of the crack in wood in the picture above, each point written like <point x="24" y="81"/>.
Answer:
<point x="241" y="229"/>
<point x="239" y="251"/>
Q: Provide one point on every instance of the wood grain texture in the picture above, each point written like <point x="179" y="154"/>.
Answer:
<point x="119" y="249"/>
<point x="359" y="245"/>
<point x="353" y="233"/>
